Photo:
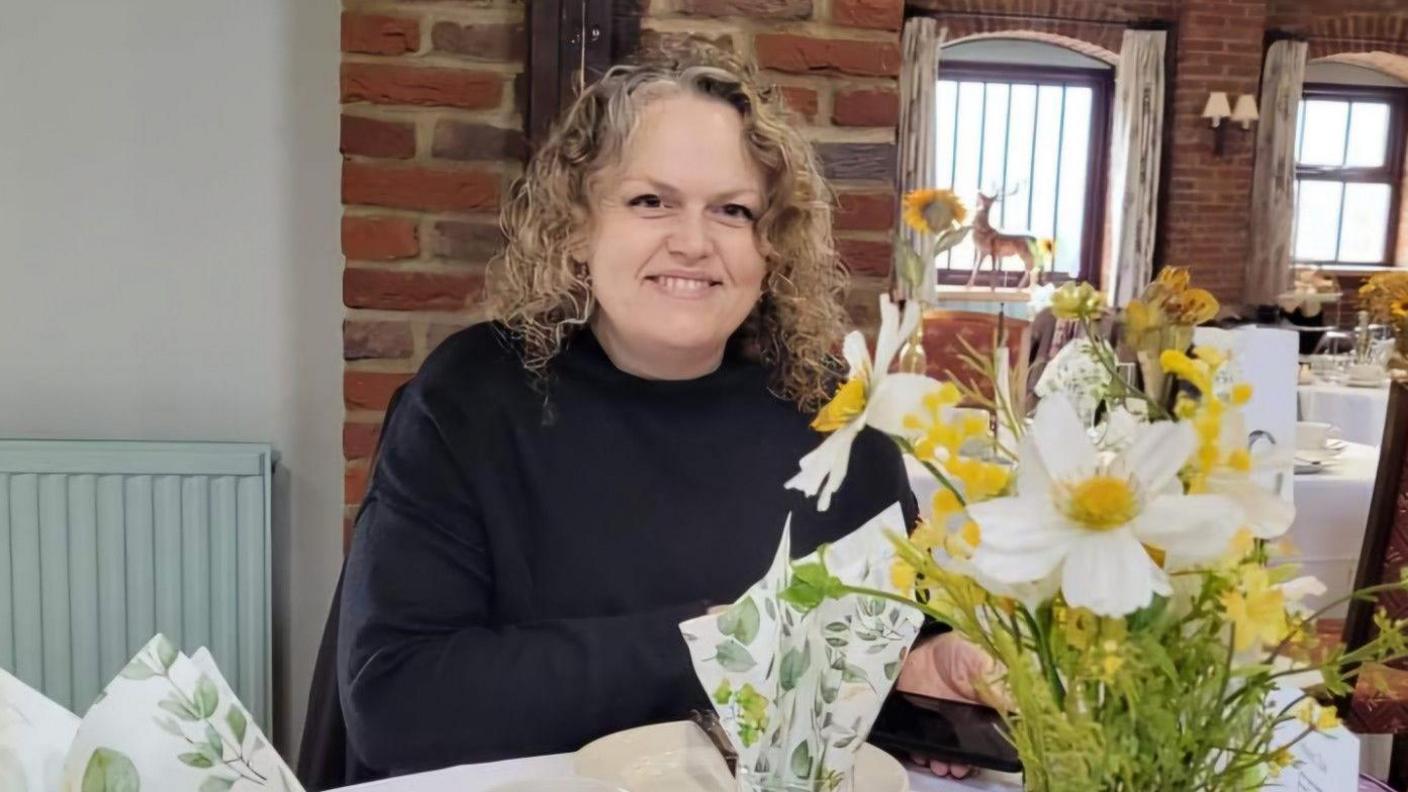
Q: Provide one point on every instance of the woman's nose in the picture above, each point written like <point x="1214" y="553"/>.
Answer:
<point x="690" y="237"/>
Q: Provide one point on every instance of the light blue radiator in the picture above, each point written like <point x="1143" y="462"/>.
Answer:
<point x="104" y="544"/>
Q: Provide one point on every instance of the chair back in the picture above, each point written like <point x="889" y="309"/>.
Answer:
<point x="945" y="332"/>
<point x="1385" y="550"/>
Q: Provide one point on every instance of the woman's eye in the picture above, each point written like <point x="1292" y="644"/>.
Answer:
<point x="740" y="211"/>
<point x="647" y="201"/>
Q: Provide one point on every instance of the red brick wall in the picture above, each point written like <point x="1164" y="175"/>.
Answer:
<point x="431" y="138"/>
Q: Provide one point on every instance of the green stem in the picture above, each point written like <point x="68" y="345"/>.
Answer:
<point x="908" y="448"/>
<point x="1098" y="345"/>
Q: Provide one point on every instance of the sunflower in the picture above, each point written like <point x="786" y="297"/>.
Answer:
<point x="933" y="211"/>
<point x="1399" y="308"/>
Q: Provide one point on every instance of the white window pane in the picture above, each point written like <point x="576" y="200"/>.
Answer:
<point x="1368" y="135"/>
<point x="970" y="123"/>
<point x="1016" y="211"/>
<point x="1075" y="146"/>
<point x="1300" y="128"/>
<point x="945" y="111"/>
<point x="1322" y="142"/>
<point x="1365" y="224"/>
<point x="1317" y="207"/>
<point x="1048" y="126"/>
<point x="994" y="138"/>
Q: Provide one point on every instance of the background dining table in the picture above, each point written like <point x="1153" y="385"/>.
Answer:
<point x="1359" y="412"/>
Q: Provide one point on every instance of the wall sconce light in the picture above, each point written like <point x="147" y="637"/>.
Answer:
<point x="1219" y="109"/>
<point x="1245" y="113"/>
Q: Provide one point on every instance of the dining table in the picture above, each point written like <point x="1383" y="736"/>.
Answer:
<point x="1358" y="412"/>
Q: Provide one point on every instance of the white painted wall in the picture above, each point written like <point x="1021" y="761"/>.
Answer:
<point x="169" y="264"/>
<point x="1321" y="71"/>
<point x="1030" y="53"/>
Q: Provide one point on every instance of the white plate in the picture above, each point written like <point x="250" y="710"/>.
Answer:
<point x="1374" y="383"/>
<point x="677" y="757"/>
<point x="1309" y="468"/>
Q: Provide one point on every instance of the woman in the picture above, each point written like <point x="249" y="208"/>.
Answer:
<point x="558" y="489"/>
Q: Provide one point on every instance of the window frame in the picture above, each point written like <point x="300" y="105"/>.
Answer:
<point x="1102" y="85"/>
<point x="1392" y="171"/>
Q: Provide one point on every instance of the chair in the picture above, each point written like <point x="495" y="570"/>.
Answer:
<point x="944" y="328"/>
<point x="1384" y="555"/>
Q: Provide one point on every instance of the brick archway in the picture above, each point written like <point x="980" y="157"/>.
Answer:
<point x="1393" y="65"/>
<point x="1081" y="46"/>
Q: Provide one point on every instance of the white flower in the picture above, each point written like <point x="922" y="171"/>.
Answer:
<point x="1093" y="520"/>
<point x="871" y="396"/>
<point x="1267" y="514"/>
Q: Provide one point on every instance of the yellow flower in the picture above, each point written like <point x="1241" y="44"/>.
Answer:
<point x="1173" y="278"/>
<point x="1317" y="717"/>
<point x="945" y="503"/>
<point x="903" y="576"/>
<point x="1047" y="246"/>
<point x="1399" y="308"/>
<point x="1195" y="372"/>
<point x="1111" y="663"/>
<point x="1241" y="394"/>
<point x="1196" y="306"/>
<point x="933" y="211"/>
<point x="1280" y="760"/>
<point x="848" y="402"/>
<point x="1256" y="609"/>
<point x="1073" y="301"/>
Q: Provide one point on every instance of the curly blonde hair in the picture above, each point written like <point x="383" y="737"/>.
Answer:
<point x="542" y="293"/>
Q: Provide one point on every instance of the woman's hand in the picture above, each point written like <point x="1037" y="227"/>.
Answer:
<point x="946" y="667"/>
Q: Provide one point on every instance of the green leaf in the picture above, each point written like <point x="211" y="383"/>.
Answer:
<point x="801" y="764"/>
<point x="794" y="665"/>
<point x="207" y="697"/>
<point x="217" y="784"/>
<point x="170" y="727"/>
<point x="137" y="670"/>
<point x="723" y="693"/>
<point x="741" y="621"/>
<point x="854" y="673"/>
<point x="828" y="694"/>
<point x="733" y="657"/>
<point x="836" y="641"/>
<point x="212" y="739"/>
<point x="236" y="720"/>
<point x="811" y="585"/>
<point x="165" y="652"/>
<point x="178" y="708"/>
<point x="197" y="760"/>
<point x="110" y="771"/>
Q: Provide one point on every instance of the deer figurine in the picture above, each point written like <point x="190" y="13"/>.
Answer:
<point x="994" y="244"/>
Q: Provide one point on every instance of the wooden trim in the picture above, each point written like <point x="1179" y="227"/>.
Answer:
<point x="1023" y="72"/>
<point x="543" y="66"/>
<point x="1359" y="621"/>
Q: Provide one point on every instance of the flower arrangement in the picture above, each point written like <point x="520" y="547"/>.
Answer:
<point x="1385" y="296"/>
<point x="1128" y="578"/>
<point x="936" y="219"/>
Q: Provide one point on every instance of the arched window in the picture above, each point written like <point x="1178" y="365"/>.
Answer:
<point x="1029" y="120"/>
<point x="1349" y="165"/>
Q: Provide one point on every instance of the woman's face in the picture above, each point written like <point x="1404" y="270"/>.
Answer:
<point x="675" y="264"/>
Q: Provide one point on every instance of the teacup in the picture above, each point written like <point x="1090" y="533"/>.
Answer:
<point x="1314" y="435"/>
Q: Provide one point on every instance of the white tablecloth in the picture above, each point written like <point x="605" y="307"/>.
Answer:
<point x="1332" y="510"/>
<point x="484" y="777"/>
<point x="1358" y="412"/>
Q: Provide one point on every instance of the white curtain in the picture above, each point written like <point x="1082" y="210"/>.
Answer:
<point x="1135" y="149"/>
<point x="919" y="74"/>
<point x="1274" y="179"/>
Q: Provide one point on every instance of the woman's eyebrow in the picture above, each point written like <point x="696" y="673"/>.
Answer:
<point x="670" y="191"/>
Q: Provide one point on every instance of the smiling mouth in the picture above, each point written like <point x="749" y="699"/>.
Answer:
<point x="683" y="287"/>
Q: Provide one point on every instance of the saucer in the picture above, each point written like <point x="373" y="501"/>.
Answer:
<point x="1366" y="383"/>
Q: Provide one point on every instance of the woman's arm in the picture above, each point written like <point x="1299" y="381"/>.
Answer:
<point x="426" y="679"/>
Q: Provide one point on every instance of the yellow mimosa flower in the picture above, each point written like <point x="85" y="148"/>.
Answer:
<point x="1256" y="609"/>
<point x="1077" y="301"/>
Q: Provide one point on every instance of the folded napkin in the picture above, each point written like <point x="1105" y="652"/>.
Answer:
<point x="167" y="723"/>
<point x="798" y="687"/>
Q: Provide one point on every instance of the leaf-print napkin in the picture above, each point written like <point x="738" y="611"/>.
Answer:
<point x="797" y="685"/>
<point x="35" y="734"/>
<point x="167" y="723"/>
